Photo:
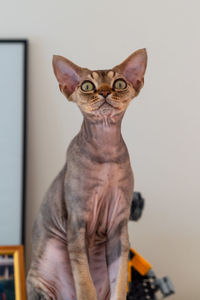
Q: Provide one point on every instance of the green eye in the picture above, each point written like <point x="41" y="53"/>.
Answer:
<point x="87" y="86"/>
<point x="120" y="84"/>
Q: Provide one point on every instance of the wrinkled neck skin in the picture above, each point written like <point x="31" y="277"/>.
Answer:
<point x="103" y="131"/>
<point x="102" y="136"/>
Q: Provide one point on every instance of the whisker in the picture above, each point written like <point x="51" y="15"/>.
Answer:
<point x="93" y="101"/>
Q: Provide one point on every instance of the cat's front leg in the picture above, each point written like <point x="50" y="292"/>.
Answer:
<point x="37" y="291"/>
<point x="84" y="286"/>
<point x="117" y="259"/>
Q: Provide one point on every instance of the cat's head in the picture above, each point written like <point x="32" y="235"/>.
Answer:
<point x="102" y="93"/>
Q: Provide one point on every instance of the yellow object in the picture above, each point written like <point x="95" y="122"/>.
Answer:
<point x="19" y="278"/>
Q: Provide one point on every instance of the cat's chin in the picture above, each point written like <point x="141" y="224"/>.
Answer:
<point x="109" y="112"/>
<point x="106" y="110"/>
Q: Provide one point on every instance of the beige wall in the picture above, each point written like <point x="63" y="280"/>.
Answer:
<point x="161" y="127"/>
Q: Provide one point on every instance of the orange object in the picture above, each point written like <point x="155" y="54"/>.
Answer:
<point x="138" y="263"/>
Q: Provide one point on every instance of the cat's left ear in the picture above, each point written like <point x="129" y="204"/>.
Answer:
<point x="133" y="68"/>
<point x="67" y="73"/>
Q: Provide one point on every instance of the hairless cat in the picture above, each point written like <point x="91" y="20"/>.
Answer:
<point x="80" y="237"/>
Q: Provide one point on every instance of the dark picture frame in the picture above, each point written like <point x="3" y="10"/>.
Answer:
<point x="23" y="45"/>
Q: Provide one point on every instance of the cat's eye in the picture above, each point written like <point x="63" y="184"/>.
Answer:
<point x="120" y="84"/>
<point x="87" y="86"/>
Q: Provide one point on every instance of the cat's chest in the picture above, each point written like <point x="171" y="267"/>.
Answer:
<point x="108" y="205"/>
<point x="105" y="191"/>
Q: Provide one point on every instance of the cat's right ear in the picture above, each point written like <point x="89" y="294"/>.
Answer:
<point x="67" y="74"/>
<point x="133" y="68"/>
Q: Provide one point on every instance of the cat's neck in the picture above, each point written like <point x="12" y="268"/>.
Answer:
<point x="101" y="133"/>
<point x="102" y="141"/>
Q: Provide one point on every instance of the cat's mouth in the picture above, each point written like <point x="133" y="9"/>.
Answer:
<point x="106" y="104"/>
<point x="109" y="103"/>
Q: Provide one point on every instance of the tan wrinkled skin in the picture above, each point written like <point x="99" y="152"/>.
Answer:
<point x="80" y="238"/>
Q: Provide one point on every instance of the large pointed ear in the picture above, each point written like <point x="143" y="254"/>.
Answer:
<point x="67" y="74"/>
<point x="133" y="68"/>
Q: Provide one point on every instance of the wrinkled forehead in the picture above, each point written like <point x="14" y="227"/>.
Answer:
<point x="102" y="76"/>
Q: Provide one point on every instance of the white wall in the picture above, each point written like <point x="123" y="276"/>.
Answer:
<point x="161" y="127"/>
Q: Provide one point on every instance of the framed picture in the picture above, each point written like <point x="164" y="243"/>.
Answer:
<point x="12" y="278"/>
<point x="13" y="101"/>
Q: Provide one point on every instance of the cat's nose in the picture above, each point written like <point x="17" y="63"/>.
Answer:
<point x="104" y="93"/>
